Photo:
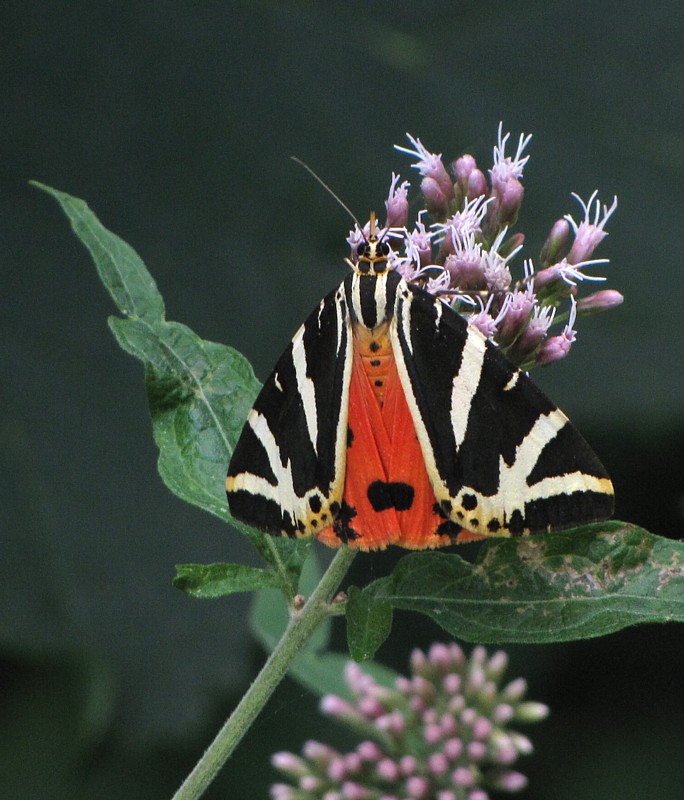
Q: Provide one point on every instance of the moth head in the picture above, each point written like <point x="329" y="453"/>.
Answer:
<point x="372" y="253"/>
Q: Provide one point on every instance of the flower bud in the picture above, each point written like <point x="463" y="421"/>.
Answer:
<point x="334" y="706"/>
<point x="511" y="245"/>
<point x="388" y="770"/>
<point x="439" y="656"/>
<point x="554" y="246"/>
<point x="599" y="301"/>
<point x="477" y="751"/>
<point x="503" y="212"/>
<point x="408" y="765"/>
<point x="586" y="241"/>
<point x="515" y="690"/>
<point x="486" y="324"/>
<point x="589" y="234"/>
<point x="477" y="185"/>
<point x="354" y="791"/>
<point x="463" y="776"/>
<point x="281" y="791"/>
<point x="462" y="169"/>
<point x="547" y="276"/>
<point x="504" y="712"/>
<point x="436" y="201"/>
<point x="533" y="335"/>
<point x="553" y="349"/>
<point x="290" y="764"/>
<point x="531" y="712"/>
<point x="510" y="781"/>
<point x="310" y="783"/>
<point x="438" y="763"/>
<point x="482" y="728"/>
<point x="418" y="787"/>
<point x="453" y="748"/>
<point x="369" y="751"/>
<point x="397" y="205"/>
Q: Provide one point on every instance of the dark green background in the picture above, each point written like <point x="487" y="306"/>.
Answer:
<point x="175" y="121"/>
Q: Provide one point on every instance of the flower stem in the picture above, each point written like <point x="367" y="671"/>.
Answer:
<point x="302" y="624"/>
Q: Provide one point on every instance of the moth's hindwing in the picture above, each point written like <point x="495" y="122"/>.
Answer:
<point x="502" y="459"/>
<point x="286" y="475"/>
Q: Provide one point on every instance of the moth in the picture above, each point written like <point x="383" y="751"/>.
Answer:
<point x="390" y="421"/>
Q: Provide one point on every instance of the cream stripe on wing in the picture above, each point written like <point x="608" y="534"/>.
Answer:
<point x="465" y="383"/>
<point x="402" y="319"/>
<point x="305" y="387"/>
<point x="282" y="492"/>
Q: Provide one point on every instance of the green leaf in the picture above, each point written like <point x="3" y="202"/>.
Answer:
<point x="569" y="585"/>
<point x="120" y="268"/>
<point x="199" y="392"/>
<point x="208" y="581"/>
<point x="369" y="622"/>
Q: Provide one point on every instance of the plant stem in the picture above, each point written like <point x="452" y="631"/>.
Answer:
<point x="302" y="624"/>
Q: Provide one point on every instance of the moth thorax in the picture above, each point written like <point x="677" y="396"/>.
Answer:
<point x="371" y="297"/>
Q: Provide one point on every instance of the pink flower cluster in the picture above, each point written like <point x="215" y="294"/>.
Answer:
<point x="442" y="733"/>
<point x="464" y="255"/>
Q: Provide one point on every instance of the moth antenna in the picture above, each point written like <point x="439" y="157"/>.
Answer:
<point x="327" y="189"/>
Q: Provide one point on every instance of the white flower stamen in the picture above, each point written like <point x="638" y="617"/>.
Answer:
<point x="426" y="159"/>
<point x="599" y="220"/>
<point x="506" y="167"/>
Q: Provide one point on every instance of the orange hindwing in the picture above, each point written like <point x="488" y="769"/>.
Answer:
<point x="388" y="498"/>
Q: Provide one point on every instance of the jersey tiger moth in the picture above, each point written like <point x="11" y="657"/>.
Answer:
<point x="390" y="420"/>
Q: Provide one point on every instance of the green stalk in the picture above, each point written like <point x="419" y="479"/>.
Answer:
<point x="302" y="624"/>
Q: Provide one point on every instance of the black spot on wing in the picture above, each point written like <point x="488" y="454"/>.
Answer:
<point x="342" y="524"/>
<point x="350" y="437"/>
<point x="469" y="502"/>
<point x="449" y="528"/>
<point x="442" y="509"/>
<point x="516" y="523"/>
<point x="386" y="494"/>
